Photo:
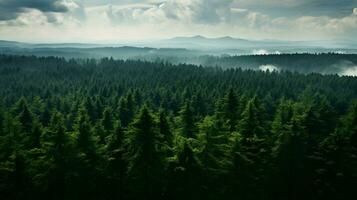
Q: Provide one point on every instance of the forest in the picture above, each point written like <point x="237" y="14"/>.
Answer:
<point x="134" y="129"/>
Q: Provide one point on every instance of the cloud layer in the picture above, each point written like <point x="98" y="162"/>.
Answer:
<point x="10" y="9"/>
<point x="123" y="19"/>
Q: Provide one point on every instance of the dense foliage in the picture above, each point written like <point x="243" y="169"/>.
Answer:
<point x="114" y="129"/>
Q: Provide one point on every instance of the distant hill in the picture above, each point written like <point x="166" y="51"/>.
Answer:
<point x="181" y="48"/>
<point x="201" y="42"/>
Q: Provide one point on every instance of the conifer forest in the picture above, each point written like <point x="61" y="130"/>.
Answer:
<point x="127" y="129"/>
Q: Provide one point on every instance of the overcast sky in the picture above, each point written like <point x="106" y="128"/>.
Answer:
<point x="120" y="20"/>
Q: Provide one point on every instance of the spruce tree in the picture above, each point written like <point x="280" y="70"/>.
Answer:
<point x="89" y="158"/>
<point x="145" y="160"/>
<point x="188" y="127"/>
<point x="166" y="134"/>
<point x="85" y="141"/>
<point x="254" y="150"/>
<point x="26" y="119"/>
<point x="230" y="111"/>
<point x="116" y="165"/>
<point x="253" y="122"/>
<point x="290" y="156"/>
<point x="125" y="111"/>
<point x="185" y="173"/>
<point x="60" y="159"/>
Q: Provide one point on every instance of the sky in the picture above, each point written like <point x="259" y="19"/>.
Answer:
<point x="132" y="20"/>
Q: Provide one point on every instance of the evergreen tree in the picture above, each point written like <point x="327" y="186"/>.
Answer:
<point x="116" y="164"/>
<point x="165" y="133"/>
<point x="59" y="160"/>
<point x="2" y="116"/>
<point x="106" y="126"/>
<point x="230" y="111"/>
<point x="26" y="119"/>
<point x="290" y="158"/>
<point x="185" y="174"/>
<point x="350" y="124"/>
<point x="212" y="156"/>
<point x="145" y="161"/>
<point x="253" y="148"/>
<point x="85" y="141"/>
<point x="282" y="117"/>
<point x="107" y="121"/>
<point x="126" y="111"/>
<point x="213" y="144"/>
<point x="188" y="127"/>
<point x="252" y="122"/>
<point x="89" y="158"/>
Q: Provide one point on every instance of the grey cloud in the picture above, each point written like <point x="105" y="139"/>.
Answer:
<point x="11" y="9"/>
<point x="196" y="11"/>
<point x="199" y="11"/>
<point x="296" y="8"/>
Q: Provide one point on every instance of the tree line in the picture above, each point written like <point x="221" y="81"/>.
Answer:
<point x="114" y="129"/>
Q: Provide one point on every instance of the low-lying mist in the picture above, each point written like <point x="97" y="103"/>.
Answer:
<point x="345" y="68"/>
<point x="269" y="68"/>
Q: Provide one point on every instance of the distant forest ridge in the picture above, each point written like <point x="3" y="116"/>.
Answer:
<point x="324" y="63"/>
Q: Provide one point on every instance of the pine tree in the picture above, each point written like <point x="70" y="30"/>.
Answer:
<point x="213" y="145"/>
<point x="230" y="111"/>
<point x="30" y="126"/>
<point x="116" y="168"/>
<point x="290" y="158"/>
<point x="165" y="133"/>
<point x="253" y="150"/>
<point x="26" y="119"/>
<point x="85" y="141"/>
<point x="59" y="160"/>
<point x="107" y="121"/>
<point x="145" y="160"/>
<point x="188" y="127"/>
<point x="282" y="117"/>
<point x="35" y="137"/>
<point x="89" y="157"/>
<point x="185" y="174"/>
<point x="252" y="122"/>
<point x="126" y="111"/>
<point x="2" y="116"/>
<point x="350" y="124"/>
<point x="212" y="155"/>
<point x="19" y="175"/>
<point x="105" y="127"/>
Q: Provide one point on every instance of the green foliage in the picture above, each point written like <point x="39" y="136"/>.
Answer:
<point x="188" y="127"/>
<point x="77" y="129"/>
<point x="144" y="158"/>
<point x="253" y="120"/>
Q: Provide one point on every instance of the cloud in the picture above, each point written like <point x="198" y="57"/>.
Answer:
<point x="11" y="9"/>
<point x="345" y="26"/>
<point x="190" y="11"/>
<point x="111" y="20"/>
<point x="296" y="8"/>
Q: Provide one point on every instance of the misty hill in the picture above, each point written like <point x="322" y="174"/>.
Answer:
<point x="207" y="53"/>
<point x="88" y="51"/>
<point x="201" y="42"/>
